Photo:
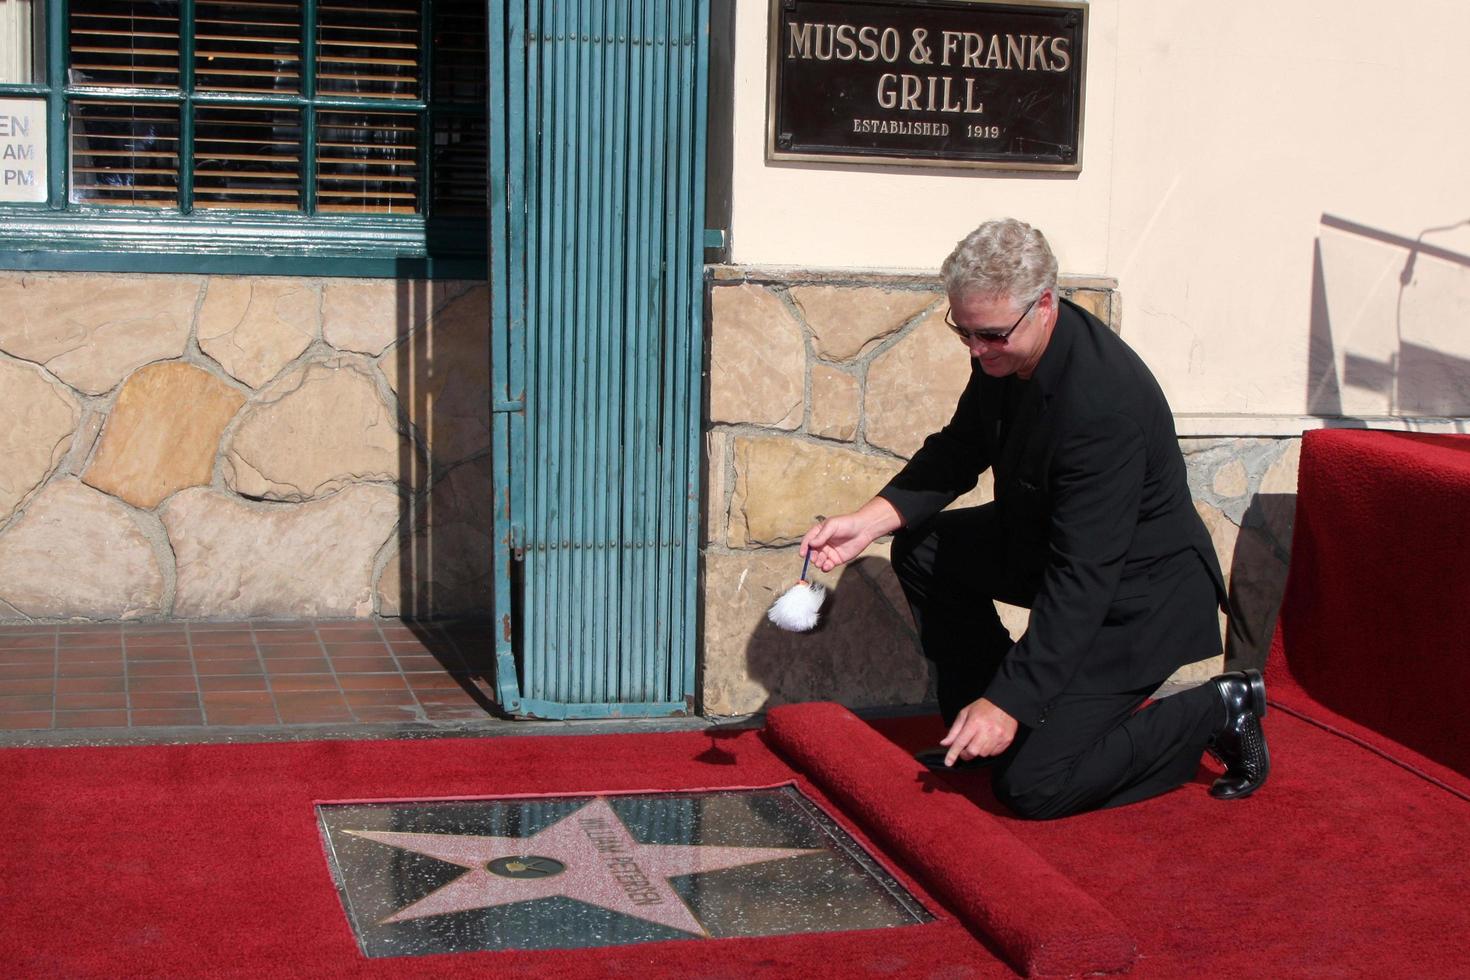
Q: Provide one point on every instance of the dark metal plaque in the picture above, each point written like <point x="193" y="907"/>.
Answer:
<point x="568" y="872"/>
<point x="952" y="83"/>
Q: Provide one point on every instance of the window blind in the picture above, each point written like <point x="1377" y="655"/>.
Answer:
<point x="125" y="154"/>
<point x="370" y="49"/>
<point x="247" y="47"/>
<point x="460" y="149"/>
<point x="22" y="55"/>
<point x="125" y="43"/>
<point x="253" y="155"/>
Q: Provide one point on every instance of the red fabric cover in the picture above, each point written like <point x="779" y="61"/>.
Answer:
<point x="1374" y="632"/>
<point x="1042" y="922"/>
<point x="205" y="861"/>
<point x="1343" y="865"/>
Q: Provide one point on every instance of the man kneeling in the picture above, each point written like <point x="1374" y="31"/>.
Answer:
<point x="1092" y="528"/>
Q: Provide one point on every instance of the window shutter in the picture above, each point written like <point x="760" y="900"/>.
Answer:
<point x="460" y="150"/>
<point x="125" y="43"/>
<point x="125" y="153"/>
<point x="247" y="154"/>
<point x="367" y="162"/>
<point x="247" y="158"/>
<point x="22" y="51"/>
<point x="247" y="47"/>
<point x="371" y="50"/>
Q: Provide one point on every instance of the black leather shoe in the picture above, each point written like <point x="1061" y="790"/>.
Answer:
<point x="1240" y="743"/>
<point x="934" y="759"/>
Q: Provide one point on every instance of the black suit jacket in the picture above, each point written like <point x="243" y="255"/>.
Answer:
<point x="1100" y="529"/>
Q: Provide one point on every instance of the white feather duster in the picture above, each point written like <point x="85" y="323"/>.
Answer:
<point x="799" y="607"/>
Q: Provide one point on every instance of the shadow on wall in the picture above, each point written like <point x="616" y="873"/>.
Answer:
<point x="1387" y="326"/>
<point x="863" y="653"/>
<point x="440" y="371"/>
<point x="1257" y="576"/>
<point x="1384" y="309"/>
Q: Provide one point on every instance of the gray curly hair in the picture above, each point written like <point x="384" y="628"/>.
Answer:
<point x="1004" y="257"/>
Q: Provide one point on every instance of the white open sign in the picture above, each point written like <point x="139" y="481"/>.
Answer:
<point x="22" y="149"/>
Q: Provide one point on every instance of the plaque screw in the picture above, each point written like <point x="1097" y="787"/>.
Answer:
<point x="784" y="139"/>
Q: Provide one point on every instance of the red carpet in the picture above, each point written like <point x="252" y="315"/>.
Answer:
<point x="1041" y="921"/>
<point x="1374" y="633"/>
<point x="1354" y="860"/>
<point x="205" y="861"/>
<point x="1344" y="864"/>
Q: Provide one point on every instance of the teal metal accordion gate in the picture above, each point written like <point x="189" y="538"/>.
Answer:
<point x="597" y="213"/>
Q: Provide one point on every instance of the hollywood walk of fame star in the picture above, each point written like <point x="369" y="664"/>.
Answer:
<point x="588" y="855"/>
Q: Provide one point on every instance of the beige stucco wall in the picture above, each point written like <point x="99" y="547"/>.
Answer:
<point x="1229" y="153"/>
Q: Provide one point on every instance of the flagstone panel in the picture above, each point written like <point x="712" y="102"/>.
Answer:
<point x="37" y="419"/>
<point x="782" y="483"/>
<point x="449" y="561"/>
<point x="1276" y="498"/>
<point x="254" y="327"/>
<point x="442" y="378"/>
<point x="846" y="321"/>
<point x="1257" y="584"/>
<point x="163" y="433"/>
<point x="77" y="552"/>
<point x="323" y="427"/>
<point x="835" y="403"/>
<point x="242" y="559"/>
<point x="717" y="495"/>
<point x="93" y="331"/>
<point x="366" y="315"/>
<point x="1098" y="302"/>
<point x="914" y="385"/>
<point x="757" y="359"/>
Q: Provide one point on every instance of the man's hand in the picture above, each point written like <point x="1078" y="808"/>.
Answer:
<point x="837" y="540"/>
<point x="980" y="729"/>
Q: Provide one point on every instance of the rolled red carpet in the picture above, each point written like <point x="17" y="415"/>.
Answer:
<point x="1041" y="922"/>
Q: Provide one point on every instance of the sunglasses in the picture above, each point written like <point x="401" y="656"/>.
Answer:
<point x="987" y="336"/>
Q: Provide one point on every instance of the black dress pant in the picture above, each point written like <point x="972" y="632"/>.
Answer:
<point x="1093" y="750"/>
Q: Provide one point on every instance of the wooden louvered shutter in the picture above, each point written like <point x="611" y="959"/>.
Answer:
<point x="279" y="107"/>
<point x="369" y="160"/>
<point x="125" y="152"/>
<point x="22" y="43"/>
<point x="247" y="156"/>
<point x="460" y="148"/>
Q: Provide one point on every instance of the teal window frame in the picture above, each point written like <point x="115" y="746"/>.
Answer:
<point x="56" y="235"/>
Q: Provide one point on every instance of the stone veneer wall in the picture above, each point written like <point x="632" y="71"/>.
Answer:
<point x="224" y="447"/>
<point x="821" y="386"/>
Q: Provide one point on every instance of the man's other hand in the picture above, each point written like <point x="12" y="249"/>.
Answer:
<point x="980" y="729"/>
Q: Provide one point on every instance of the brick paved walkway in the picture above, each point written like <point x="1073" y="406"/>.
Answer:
<point x="242" y="674"/>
